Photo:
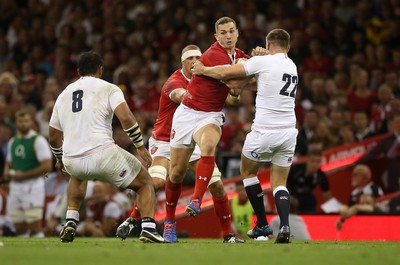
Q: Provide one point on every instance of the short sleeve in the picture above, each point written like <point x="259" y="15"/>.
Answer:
<point x="252" y="65"/>
<point x="116" y="97"/>
<point x="42" y="149"/>
<point x="54" y="120"/>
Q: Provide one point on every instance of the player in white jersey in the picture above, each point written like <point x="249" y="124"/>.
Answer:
<point x="81" y="139"/>
<point x="273" y="135"/>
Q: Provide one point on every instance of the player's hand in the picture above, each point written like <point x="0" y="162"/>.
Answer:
<point x="145" y="155"/>
<point x="339" y="225"/>
<point x="60" y="167"/>
<point x="235" y="92"/>
<point x="197" y="68"/>
<point x="259" y="51"/>
<point x="16" y="175"/>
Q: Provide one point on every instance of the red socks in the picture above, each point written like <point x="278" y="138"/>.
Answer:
<point x="204" y="172"/>
<point x="172" y="194"/>
<point x="135" y="213"/>
<point x="221" y="207"/>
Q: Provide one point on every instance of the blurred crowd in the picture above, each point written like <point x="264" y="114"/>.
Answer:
<point x="347" y="53"/>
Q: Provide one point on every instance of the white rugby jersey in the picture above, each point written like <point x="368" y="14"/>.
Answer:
<point x="84" y="112"/>
<point x="277" y="81"/>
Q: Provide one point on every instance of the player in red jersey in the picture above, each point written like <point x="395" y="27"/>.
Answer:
<point x="159" y="145"/>
<point x="198" y="120"/>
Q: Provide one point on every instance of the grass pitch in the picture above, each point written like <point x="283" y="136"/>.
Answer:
<point x="113" y="251"/>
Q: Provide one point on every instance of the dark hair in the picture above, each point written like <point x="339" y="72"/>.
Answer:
<point x="222" y="21"/>
<point x="89" y="63"/>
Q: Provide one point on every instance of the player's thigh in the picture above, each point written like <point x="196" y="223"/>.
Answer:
<point x="207" y="137"/>
<point x="112" y="164"/>
<point x="121" y="167"/>
<point x="284" y="147"/>
<point x="179" y="162"/>
<point x="183" y="128"/>
<point x="249" y="166"/>
<point x="141" y="179"/>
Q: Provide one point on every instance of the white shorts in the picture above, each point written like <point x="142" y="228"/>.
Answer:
<point x="187" y="122"/>
<point x="275" y="146"/>
<point x="26" y="200"/>
<point x="163" y="149"/>
<point x="112" y="164"/>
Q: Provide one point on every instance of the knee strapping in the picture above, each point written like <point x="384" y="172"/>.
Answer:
<point x="158" y="172"/>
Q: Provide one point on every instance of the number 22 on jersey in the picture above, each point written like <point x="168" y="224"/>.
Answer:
<point x="291" y="81"/>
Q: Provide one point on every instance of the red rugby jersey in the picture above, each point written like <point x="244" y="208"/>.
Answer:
<point x="205" y="93"/>
<point x="166" y="109"/>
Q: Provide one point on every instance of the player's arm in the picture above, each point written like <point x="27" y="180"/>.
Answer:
<point x="132" y="129"/>
<point x="221" y="72"/>
<point x="248" y="83"/>
<point x="55" y="141"/>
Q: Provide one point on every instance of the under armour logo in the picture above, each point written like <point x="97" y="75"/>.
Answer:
<point x="284" y="198"/>
<point x="202" y="178"/>
<point x="169" y="203"/>
<point x="226" y="216"/>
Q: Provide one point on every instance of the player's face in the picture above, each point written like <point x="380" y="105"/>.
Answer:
<point x="23" y="124"/>
<point x="188" y="63"/>
<point x="227" y="35"/>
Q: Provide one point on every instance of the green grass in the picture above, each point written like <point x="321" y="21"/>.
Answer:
<point x="19" y="251"/>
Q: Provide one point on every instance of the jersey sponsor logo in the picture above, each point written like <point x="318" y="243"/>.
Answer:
<point x="122" y="174"/>
<point x="202" y="178"/>
<point x="260" y="194"/>
<point x="172" y="134"/>
<point x="153" y="150"/>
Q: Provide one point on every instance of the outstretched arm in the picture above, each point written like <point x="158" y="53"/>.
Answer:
<point x="131" y="127"/>
<point x="222" y="72"/>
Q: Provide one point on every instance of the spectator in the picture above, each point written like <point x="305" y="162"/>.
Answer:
<point x="346" y="134"/>
<point x="242" y="211"/>
<point x="361" y="126"/>
<point x="388" y="147"/>
<point x="307" y="131"/>
<point x="28" y="158"/>
<point x="381" y="109"/>
<point x="363" y="196"/>
<point x="304" y="178"/>
<point x="362" y="97"/>
<point x="363" y="184"/>
<point x="102" y="213"/>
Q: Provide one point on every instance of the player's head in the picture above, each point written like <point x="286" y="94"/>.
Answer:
<point x="226" y="32"/>
<point x="90" y="63"/>
<point x="278" y="39"/>
<point x="190" y="54"/>
<point x="23" y="121"/>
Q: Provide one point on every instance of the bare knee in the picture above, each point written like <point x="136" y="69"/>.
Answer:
<point x="177" y="173"/>
<point x="217" y="189"/>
